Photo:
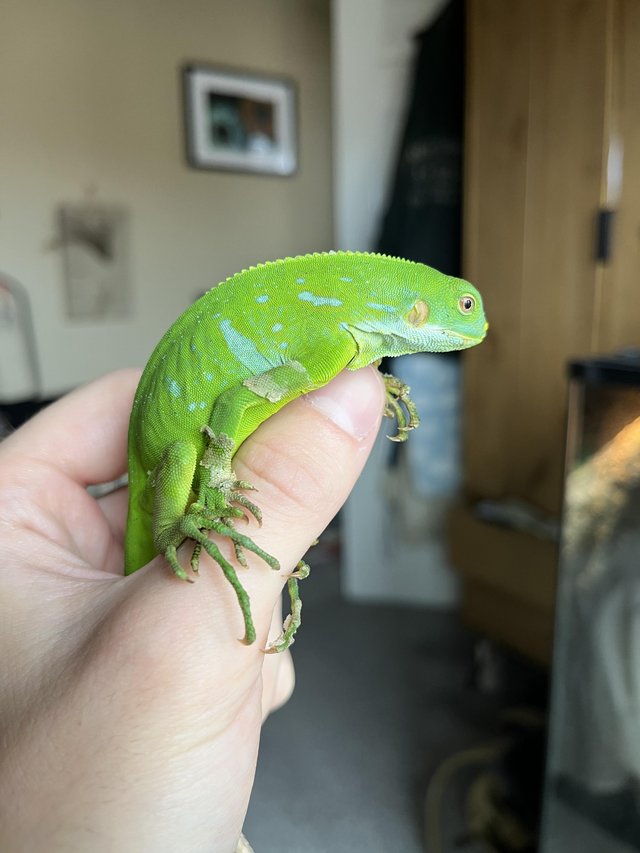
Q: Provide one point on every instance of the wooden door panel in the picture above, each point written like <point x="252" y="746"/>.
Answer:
<point x="495" y="185"/>
<point x="619" y="301"/>
<point x="568" y="80"/>
<point x="536" y="93"/>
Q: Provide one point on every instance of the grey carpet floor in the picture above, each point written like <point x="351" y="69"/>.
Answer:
<point x="383" y="695"/>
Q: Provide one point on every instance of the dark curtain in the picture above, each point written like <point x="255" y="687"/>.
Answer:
<point x="423" y="218"/>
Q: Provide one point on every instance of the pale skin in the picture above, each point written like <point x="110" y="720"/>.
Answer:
<point x="129" y="709"/>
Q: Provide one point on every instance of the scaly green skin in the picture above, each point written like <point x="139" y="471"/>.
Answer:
<point x="242" y="351"/>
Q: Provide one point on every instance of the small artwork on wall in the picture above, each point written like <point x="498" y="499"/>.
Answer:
<point x="239" y="121"/>
<point x="92" y="237"/>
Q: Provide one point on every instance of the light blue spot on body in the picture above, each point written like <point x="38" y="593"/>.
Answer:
<point x="345" y="278"/>
<point x="378" y="307"/>
<point x="192" y="347"/>
<point x="191" y="407"/>
<point x="284" y="345"/>
<point x="208" y="376"/>
<point x="243" y="349"/>
<point x="262" y="299"/>
<point x="305" y="296"/>
<point x="300" y="281"/>
<point x="174" y="389"/>
<point x="277" y="327"/>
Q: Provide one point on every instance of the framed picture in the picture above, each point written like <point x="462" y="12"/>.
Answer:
<point x="239" y="121"/>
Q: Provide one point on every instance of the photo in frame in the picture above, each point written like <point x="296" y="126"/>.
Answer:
<point x="239" y="121"/>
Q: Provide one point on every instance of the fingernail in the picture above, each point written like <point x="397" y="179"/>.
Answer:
<point x="353" y="401"/>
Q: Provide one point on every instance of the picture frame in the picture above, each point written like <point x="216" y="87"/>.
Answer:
<point x="239" y="121"/>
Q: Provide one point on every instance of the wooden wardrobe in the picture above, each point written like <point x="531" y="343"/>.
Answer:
<point x="552" y="239"/>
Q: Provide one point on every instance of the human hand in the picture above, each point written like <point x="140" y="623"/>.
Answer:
<point x="130" y="713"/>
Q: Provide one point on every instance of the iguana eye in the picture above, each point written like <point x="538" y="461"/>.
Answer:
<point x="419" y="314"/>
<point x="466" y="304"/>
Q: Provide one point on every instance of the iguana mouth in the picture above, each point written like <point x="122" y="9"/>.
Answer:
<point x="467" y="340"/>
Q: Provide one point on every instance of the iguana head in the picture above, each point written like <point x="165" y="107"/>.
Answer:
<point x="426" y="312"/>
<point x="442" y="317"/>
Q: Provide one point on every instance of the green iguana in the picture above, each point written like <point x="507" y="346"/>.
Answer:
<point x="242" y="351"/>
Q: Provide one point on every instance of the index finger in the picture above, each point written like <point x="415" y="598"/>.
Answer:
<point x="84" y="434"/>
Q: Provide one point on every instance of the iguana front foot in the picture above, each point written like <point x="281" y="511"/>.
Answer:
<point x="400" y="406"/>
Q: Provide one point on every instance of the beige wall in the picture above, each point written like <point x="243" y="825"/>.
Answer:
<point x="90" y="102"/>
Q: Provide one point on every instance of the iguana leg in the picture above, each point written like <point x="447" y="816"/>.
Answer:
<point x="224" y="493"/>
<point x="234" y="416"/>
<point x="400" y="406"/>
<point x="293" y="620"/>
<point x="192" y="498"/>
<point x="176" y="518"/>
<point x="220" y="493"/>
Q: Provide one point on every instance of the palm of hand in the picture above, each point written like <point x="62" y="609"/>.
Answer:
<point x="101" y="668"/>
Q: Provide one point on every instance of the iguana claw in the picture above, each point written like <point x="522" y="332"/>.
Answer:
<point x="291" y="624"/>
<point x="400" y="406"/>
